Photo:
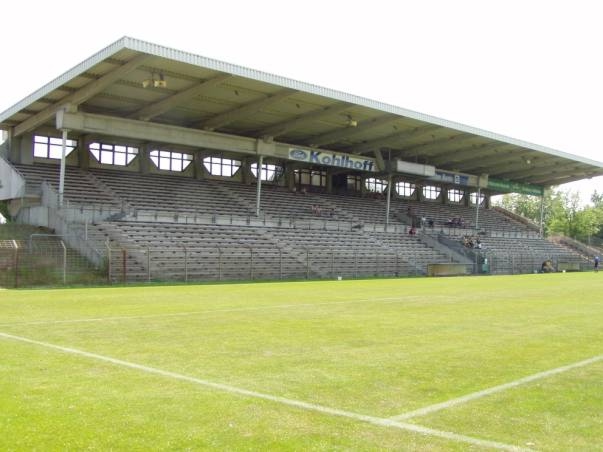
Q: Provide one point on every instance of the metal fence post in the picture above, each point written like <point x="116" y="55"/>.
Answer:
<point x="64" y="262"/>
<point x="219" y="264"/>
<point x="148" y="264"/>
<point x="280" y="263"/>
<point x="251" y="263"/>
<point x="108" y="262"/>
<point x="16" y="264"/>
<point x="397" y="269"/>
<point x="307" y="263"/>
<point x="333" y="263"/>
<point x="185" y="265"/>
<point x="124" y="264"/>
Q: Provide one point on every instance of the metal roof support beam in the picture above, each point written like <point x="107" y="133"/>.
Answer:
<point x="437" y="144"/>
<point x="82" y="94"/>
<point x="240" y="112"/>
<point x="379" y="160"/>
<point x="468" y="154"/>
<point x="150" y="111"/>
<point x="561" y="179"/>
<point x="534" y="171"/>
<point x="527" y="169"/>
<point x="155" y="132"/>
<point x="394" y="139"/>
<point x="349" y="131"/>
<point x="316" y="115"/>
<point x="164" y="133"/>
<point x="549" y="172"/>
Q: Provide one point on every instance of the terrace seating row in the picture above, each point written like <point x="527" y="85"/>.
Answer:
<point x="253" y="252"/>
<point x="167" y="193"/>
<point x="441" y="214"/>
<point x="163" y="192"/>
<point x="79" y="186"/>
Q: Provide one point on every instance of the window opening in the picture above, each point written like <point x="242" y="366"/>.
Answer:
<point x="270" y="172"/>
<point x="218" y="166"/>
<point x="171" y="160"/>
<point x="431" y="192"/>
<point x="405" y="188"/>
<point x="51" y="147"/>
<point x="113" y="154"/>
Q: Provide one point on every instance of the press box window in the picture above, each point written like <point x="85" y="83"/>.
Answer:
<point x="354" y="183"/>
<point x="170" y="160"/>
<point x="218" y="166"/>
<point x="113" y="154"/>
<point x="376" y="185"/>
<point x="405" y="188"/>
<point x="270" y="172"/>
<point x="314" y="178"/>
<point x="431" y="192"/>
<point x="51" y="148"/>
<point x="455" y="195"/>
<point x="473" y="198"/>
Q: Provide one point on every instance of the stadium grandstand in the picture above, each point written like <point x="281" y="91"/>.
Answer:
<point x="164" y="165"/>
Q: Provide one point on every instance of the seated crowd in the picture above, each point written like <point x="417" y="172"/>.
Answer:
<point x="472" y="242"/>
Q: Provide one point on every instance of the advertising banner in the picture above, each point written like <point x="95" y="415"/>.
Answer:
<point x="330" y="158"/>
<point x="507" y="186"/>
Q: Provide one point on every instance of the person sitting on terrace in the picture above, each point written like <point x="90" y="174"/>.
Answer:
<point x="547" y="267"/>
<point x="412" y="231"/>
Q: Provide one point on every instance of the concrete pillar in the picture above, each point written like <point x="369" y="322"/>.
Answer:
<point x="14" y="150"/>
<point x="247" y="177"/>
<point x="289" y="176"/>
<point x="145" y="158"/>
<point x="197" y="163"/>
<point x="83" y="152"/>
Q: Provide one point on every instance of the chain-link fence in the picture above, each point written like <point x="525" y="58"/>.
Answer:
<point x="252" y="263"/>
<point x="47" y="260"/>
<point x="44" y="260"/>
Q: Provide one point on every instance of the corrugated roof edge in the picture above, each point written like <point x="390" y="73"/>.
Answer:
<point x="186" y="57"/>
<point x="78" y="69"/>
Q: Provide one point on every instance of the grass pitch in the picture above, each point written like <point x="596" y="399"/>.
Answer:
<point x="326" y="365"/>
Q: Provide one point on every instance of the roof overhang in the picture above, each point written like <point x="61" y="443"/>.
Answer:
<point x="140" y="81"/>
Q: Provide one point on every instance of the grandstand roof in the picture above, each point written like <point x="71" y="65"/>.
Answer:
<point x="206" y="94"/>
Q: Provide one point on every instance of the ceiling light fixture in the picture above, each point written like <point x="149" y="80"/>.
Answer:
<point x="155" y="81"/>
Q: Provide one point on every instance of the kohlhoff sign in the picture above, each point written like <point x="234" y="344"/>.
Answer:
<point x="329" y="158"/>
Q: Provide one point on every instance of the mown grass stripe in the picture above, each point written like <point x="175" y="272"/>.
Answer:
<point x="211" y="311"/>
<point x="282" y="400"/>
<point x="493" y="390"/>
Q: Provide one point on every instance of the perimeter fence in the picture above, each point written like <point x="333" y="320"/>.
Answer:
<point x="46" y="260"/>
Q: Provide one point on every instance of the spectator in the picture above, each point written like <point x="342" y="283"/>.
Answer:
<point x="547" y="266"/>
<point x="412" y="231"/>
<point x="597" y="260"/>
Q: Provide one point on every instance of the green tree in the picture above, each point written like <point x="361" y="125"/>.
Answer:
<point x="562" y="213"/>
<point x="4" y="211"/>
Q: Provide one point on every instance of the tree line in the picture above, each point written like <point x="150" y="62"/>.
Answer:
<point x="563" y="213"/>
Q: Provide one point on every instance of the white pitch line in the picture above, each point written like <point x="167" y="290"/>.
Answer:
<point x="183" y="314"/>
<point x="382" y="422"/>
<point x="493" y="390"/>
